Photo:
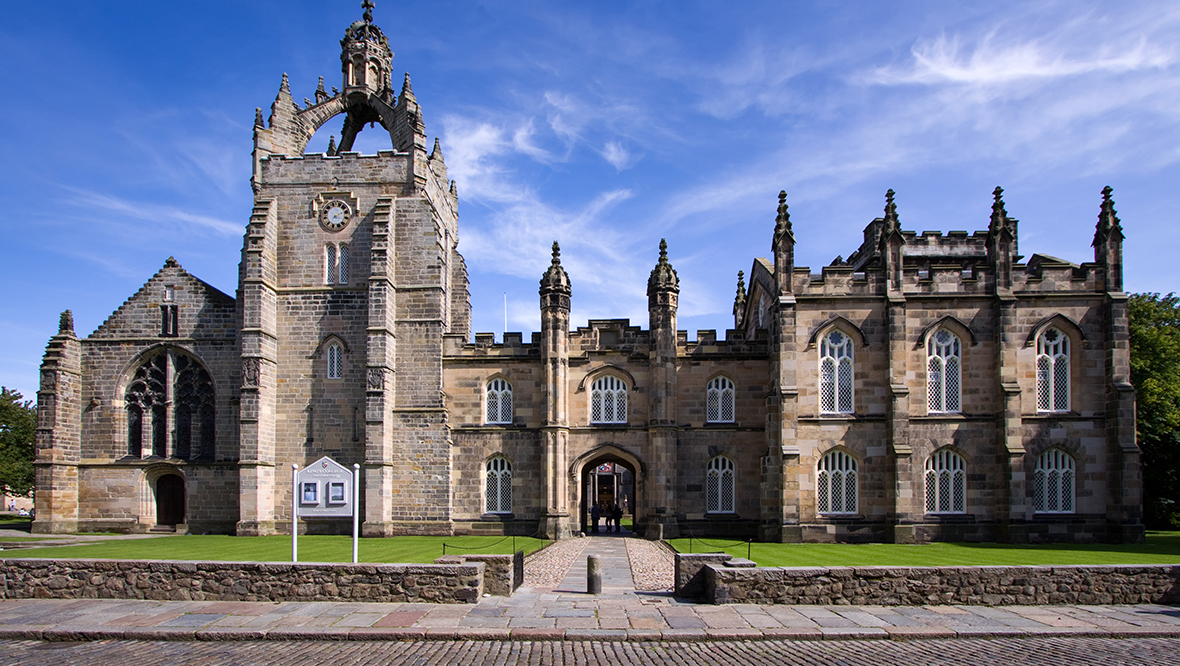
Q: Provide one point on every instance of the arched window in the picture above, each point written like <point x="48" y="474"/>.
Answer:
<point x="835" y="490"/>
<point x="1053" y="482"/>
<point x="1053" y="371"/>
<point x="946" y="483"/>
<point x="343" y="262"/>
<point x="335" y="361"/>
<point x="330" y="261"/>
<point x="177" y="416"/>
<point x="719" y="401"/>
<point x="835" y="374"/>
<point x="944" y="372"/>
<point x="498" y="486"/>
<point x="719" y="486"/>
<point x="608" y="400"/>
<point x="498" y="402"/>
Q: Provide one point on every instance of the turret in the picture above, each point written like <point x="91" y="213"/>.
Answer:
<point x="366" y="61"/>
<point x="891" y="243"/>
<point x="1001" y="242"/>
<point x="783" y="247"/>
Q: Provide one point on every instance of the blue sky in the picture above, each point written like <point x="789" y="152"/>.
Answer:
<point x="604" y="125"/>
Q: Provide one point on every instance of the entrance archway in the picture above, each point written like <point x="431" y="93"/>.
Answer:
<point x="606" y="476"/>
<point x="169" y="500"/>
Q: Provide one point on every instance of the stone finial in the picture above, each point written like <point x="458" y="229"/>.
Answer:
<point x="1108" y="220"/>
<point x="367" y="5"/>
<point x="332" y="144"/>
<point x="999" y="213"/>
<point x="782" y="222"/>
<point x="65" y="323"/>
<point x="454" y="190"/>
<point x="891" y="221"/>
<point x="663" y="276"/>
<point x="258" y="122"/>
<point x="436" y="153"/>
<point x="320" y="86"/>
<point x="555" y="279"/>
<point x="285" y="86"/>
<point x="739" y="301"/>
<point x="407" y="89"/>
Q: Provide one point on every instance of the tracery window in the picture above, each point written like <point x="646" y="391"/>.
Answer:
<point x="944" y="372"/>
<point x="498" y="401"/>
<point x="608" y="400"/>
<point x="335" y="361"/>
<point x="836" y="484"/>
<point x="178" y="417"/>
<point x="1053" y="371"/>
<point x="719" y="486"/>
<point x="1053" y="482"/>
<point x="946" y="483"/>
<point x="342" y="261"/>
<point x="719" y="401"/>
<point x="498" y="486"/>
<point x="835" y="373"/>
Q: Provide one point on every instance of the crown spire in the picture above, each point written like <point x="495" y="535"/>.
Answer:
<point x="367" y="5"/>
<point x="555" y="279"/>
<point x="663" y="276"/>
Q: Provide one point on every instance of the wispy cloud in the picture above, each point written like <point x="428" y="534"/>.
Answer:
<point x="156" y="213"/>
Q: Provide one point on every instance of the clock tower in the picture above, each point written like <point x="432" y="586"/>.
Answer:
<point x="350" y="277"/>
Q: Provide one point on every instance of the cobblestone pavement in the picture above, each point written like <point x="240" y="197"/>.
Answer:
<point x="653" y="567"/>
<point x="507" y="653"/>
<point x="546" y="567"/>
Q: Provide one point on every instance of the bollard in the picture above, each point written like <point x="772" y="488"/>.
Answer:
<point x="593" y="575"/>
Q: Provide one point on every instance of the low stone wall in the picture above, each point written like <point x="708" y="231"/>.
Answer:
<point x="899" y="586"/>
<point x="240" y="581"/>
<point x="498" y="576"/>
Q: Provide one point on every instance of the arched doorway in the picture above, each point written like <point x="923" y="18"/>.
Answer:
<point x="606" y="476"/>
<point x="169" y="500"/>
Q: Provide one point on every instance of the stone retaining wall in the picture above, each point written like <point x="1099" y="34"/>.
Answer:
<point x="498" y="576"/>
<point x="721" y="579"/>
<point x="240" y="581"/>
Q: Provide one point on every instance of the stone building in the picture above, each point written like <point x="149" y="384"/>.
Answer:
<point x="927" y="387"/>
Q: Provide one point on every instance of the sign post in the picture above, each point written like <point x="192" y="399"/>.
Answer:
<point x="356" y="510"/>
<point x="322" y="491"/>
<point x="294" y="512"/>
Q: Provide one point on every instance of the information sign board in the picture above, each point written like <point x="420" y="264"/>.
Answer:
<point x="324" y="490"/>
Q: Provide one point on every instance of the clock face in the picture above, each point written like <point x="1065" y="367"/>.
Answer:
<point x="335" y="215"/>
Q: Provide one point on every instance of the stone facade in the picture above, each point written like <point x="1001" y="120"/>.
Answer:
<point x="240" y="581"/>
<point x="928" y="387"/>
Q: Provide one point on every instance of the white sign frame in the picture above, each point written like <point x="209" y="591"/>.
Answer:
<point x="321" y="490"/>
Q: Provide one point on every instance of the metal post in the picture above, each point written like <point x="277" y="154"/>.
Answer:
<point x="593" y="575"/>
<point x="356" y="510"/>
<point x="294" y="512"/>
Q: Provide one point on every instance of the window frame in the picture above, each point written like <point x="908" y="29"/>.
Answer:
<point x="334" y="360"/>
<point x="842" y="356"/>
<point x="612" y="397"/>
<point x="845" y="466"/>
<point x="1062" y="464"/>
<point x="945" y="481"/>
<point x="1054" y="393"/>
<point x="723" y="390"/>
<point x="944" y="355"/>
<point x="720" y="479"/>
<point x="499" y="389"/>
<point x="497" y="485"/>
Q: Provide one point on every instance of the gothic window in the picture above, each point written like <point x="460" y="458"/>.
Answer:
<point x="608" y="400"/>
<point x="335" y="361"/>
<point x="835" y="491"/>
<point x="498" y="486"/>
<point x="498" y="402"/>
<point x="178" y="415"/>
<point x="1053" y="482"/>
<point x="944" y="372"/>
<point x="1053" y="371"/>
<point x="343" y="264"/>
<point x="835" y="373"/>
<point x="719" y="401"/>
<point x="168" y="321"/>
<point x="946" y="483"/>
<point x="330" y="261"/>
<point x="719" y="486"/>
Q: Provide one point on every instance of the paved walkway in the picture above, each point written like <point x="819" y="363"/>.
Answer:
<point x="565" y="612"/>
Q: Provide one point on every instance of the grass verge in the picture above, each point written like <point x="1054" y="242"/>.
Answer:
<point x="221" y="548"/>
<point x="1160" y="548"/>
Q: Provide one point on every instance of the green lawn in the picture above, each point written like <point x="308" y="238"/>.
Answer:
<point x="4" y="539"/>
<point x="1161" y="548"/>
<point x="278" y="548"/>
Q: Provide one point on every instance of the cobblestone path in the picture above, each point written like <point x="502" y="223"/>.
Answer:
<point x="1051" y="651"/>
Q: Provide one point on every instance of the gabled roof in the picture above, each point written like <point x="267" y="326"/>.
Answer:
<point x="129" y="319"/>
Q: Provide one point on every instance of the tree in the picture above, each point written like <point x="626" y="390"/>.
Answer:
<point x="18" y="423"/>
<point x="1155" y="372"/>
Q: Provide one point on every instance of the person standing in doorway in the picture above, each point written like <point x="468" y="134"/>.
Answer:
<point x="595" y="514"/>
<point x="616" y="513"/>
